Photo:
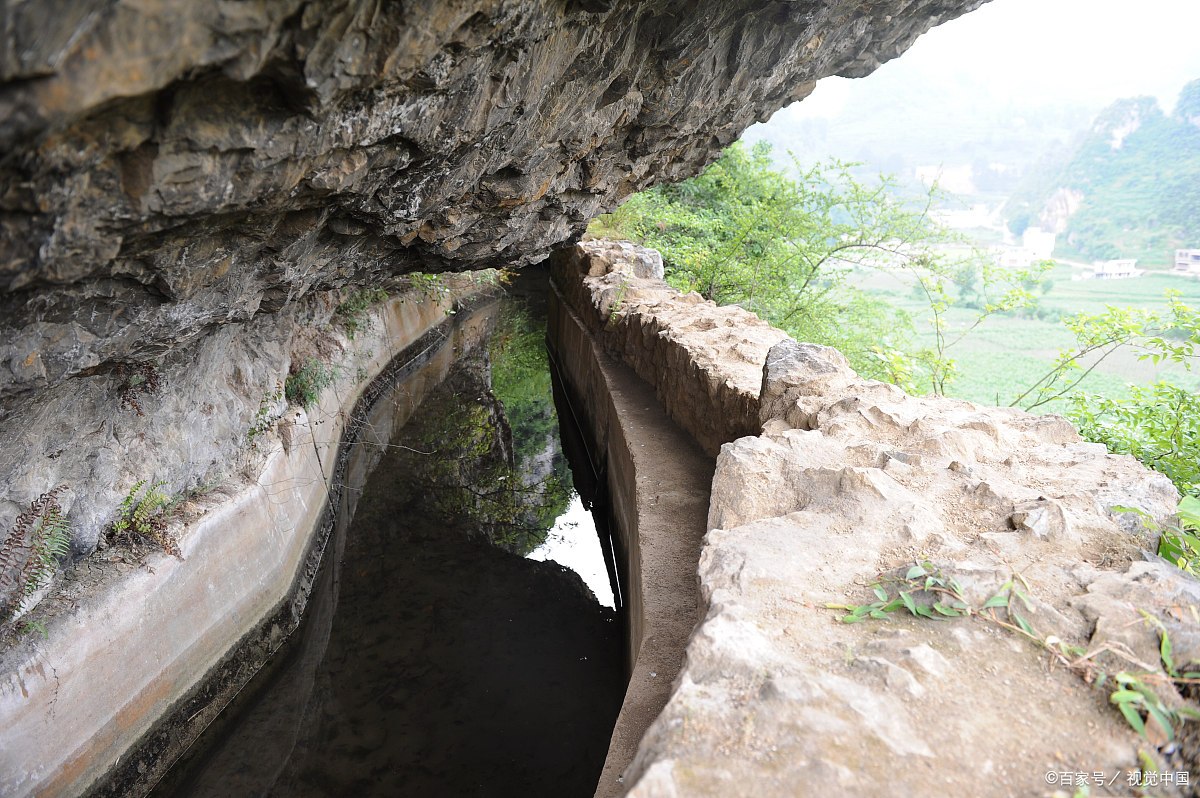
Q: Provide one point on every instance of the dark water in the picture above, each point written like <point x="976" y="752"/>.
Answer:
<point x="436" y="658"/>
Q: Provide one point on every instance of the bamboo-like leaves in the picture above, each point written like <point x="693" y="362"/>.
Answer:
<point x="926" y="592"/>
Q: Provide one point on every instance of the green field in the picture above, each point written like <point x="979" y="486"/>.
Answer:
<point x="1005" y="354"/>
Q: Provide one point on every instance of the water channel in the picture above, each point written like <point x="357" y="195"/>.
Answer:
<point x="463" y="637"/>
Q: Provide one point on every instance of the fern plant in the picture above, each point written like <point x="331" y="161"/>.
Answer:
<point x="145" y="516"/>
<point x="29" y="556"/>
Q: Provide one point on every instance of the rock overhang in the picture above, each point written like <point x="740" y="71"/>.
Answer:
<point x="170" y="167"/>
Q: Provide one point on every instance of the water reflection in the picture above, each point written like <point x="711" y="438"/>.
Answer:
<point x="486" y="454"/>
<point x="444" y="662"/>
<point x="573" y="543"/>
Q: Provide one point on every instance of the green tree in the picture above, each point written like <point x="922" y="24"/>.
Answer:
<point x="1188" y="106"/>
<point x="788" y="249"/>
<point x="1169" y="336"/>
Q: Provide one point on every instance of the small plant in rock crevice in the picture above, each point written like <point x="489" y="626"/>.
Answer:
<point x="493" y="277"/>
<point x="304" y="385"/>
<point x="925" y="592"/>
<point x="433" y="286"/>
<point x="40" y="537"/>
<point x="618" y="302"/>
<point x="138" y="380"/>
<point x="265" y="416"/>
<point x="143" y="515"/>
<point x="353" y="312"/>
<point x="1180" y="543"/>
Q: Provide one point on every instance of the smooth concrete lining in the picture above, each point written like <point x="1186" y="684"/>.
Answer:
<point x="658" y="482"/>
<point x="143" y="638"/>
<point x="249" y="565"/>
<point x="406" y="386"/>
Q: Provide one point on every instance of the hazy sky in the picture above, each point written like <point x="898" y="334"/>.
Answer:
<point x="1093" y="51"/>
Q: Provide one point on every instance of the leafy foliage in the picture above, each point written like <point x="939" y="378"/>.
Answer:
<point x="29" y="556"/>
<point x="1181" y="544"/>
<point x="925" y="591"/>
<point x="433" y="286"/>
<point x="304" y="385"/>
<point x="266" y="415"/>
<point x="1178" y="543"/>
<point x="353" y="311"/>
<point x="743" y="233"/>
<point x="1169" y="337"/>
<point x="143" y="516"/>
<point x="1158" y="424"/>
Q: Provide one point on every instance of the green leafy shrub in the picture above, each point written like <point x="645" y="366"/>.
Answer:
<point x="304" y="385"/>
<point x="744" y="233"/>
<point x="353" y="312"/>
<point x="145" y="517"/>
<point x="1158" y="424"/>
<point x="1180" y="543"/>
<point x="40" y="537"/>
<point x="433" y="286"/>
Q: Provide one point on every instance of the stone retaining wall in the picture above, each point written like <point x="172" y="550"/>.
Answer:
<point x="704" y="361"/>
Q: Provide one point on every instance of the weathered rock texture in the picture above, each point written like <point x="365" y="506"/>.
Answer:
<point x="196" y="432"/>
<point x="850" y="483"/>
<point x="195" y="186"/>
<point x="169" y="167"/>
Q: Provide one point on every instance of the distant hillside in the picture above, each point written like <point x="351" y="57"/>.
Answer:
<point x="906" y="119"/>
<point x="1130" y="188"/>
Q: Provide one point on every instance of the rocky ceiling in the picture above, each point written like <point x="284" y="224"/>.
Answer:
<point x="170" y="166"/>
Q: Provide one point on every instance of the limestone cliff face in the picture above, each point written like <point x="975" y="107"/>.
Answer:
<point x="171" y="166"/>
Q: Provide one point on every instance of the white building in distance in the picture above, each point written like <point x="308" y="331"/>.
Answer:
<point x="1187" y="261"/>
<point x="1119" y="269"/>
